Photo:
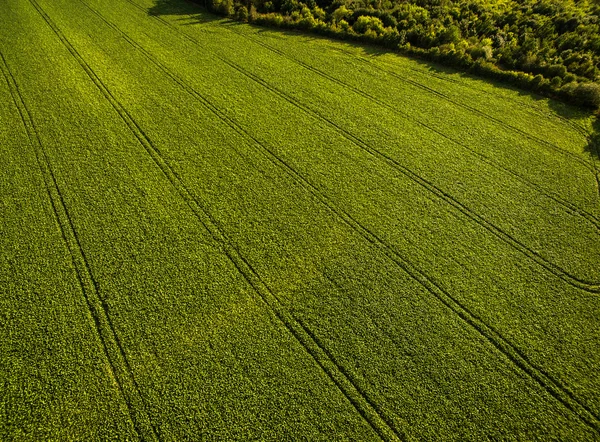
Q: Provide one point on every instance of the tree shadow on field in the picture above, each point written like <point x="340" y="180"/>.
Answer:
<point x="593" y="146"/>
<point x="194" y="11"/>
<point x="574" y="114"/>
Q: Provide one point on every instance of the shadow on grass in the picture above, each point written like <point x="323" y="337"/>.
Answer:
<point x="194" y="12"/>
<point x="575" y="114"/>
<point x="174" y="7"/>
<point x="593" y="146"/>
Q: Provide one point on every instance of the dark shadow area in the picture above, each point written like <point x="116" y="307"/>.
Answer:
<point x="593" y="146"/>
<point x="573" y="113"/>
<point x="195" y="11"/>
<point x="173" y="7"/>
<point x="569" y="111"/>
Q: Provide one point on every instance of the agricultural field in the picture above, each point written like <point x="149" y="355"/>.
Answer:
<point x="214" y="231"/>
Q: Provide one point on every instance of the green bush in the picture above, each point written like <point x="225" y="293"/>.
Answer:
<point x="272" y="19"/>
<point x="344" y="26"/>
<point x="556" y="82"/>
<point x="588" y="94"/>
<point x="556" y="70"/>
<point x="366" y="23"/>
<point x="241" y="13"/>
<point x="483" y="52"/>
<point x="341" y="13"/>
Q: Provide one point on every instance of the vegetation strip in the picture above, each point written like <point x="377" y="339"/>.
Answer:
<point x="119" y="366"/>
<point x="511" y="41"/>
<point x="554" y="387"/>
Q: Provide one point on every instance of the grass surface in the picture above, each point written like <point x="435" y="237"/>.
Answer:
<point x="212" y="231"/>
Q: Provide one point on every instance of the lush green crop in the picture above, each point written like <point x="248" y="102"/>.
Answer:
<point x="211" y="231"/>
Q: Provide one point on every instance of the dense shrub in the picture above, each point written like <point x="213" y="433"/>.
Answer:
<point x="366" y="23"/>
<point x="588" y="94"/>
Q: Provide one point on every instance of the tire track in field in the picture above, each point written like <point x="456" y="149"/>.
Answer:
<point x="118" y="367"/>
<point x="470" y="108"/>
<point x="580" y="283"/>
<point x="591" y="166"/>
<point x="370" y="59"/>
<point x="554" y="387"/>
<point x="233" y="125"/>
<point x="568" y="206"/>
<point x="574" y="125"/>
<point x="367" y="408"/>
<point x="573" y="208"/>
<point x="508" y="126"/>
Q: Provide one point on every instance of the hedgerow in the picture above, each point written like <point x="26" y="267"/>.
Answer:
<point x="557" y="45"/>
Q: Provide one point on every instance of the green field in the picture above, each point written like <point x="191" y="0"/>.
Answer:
<point x="213" y="231"/>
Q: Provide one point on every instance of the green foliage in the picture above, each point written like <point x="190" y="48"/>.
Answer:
<point x="241" y="13"/>
<point x="224" y="7"/>
<point x="344" y="26"/>
<point x="483" y="52"/>
<point x="365" y="24"/>
<point x="341" y="13"/>
<point x="588" y="94"/>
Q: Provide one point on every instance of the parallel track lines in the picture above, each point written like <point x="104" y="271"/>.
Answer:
<point x="118" y="366"/>
<point x="570" y="207"/>
<point x="534" y="108"/>
<point x="501" y="123"/>
<point x="591" y="166"/>
<point x="367" y="408"/>
<point x="553" y="387"/>
<point x="588" y="286"/>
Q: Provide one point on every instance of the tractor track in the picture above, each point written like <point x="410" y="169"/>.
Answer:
<point x="554" y="387"/>
<point x="119" y="368"/>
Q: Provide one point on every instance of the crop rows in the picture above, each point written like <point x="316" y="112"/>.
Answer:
<point x="267" y="248"/>
<point x="577" y="332"/>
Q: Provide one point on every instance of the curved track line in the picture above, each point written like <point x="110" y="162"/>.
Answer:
<point x="570" y="208"/>
<point x="364" y="406"/>
<point x="552" y="386"/>
<point x="588" y="286"/>
<point x="118" y="366"/>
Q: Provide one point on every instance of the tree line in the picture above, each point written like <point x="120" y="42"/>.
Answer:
<point x="549" y="46"/>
